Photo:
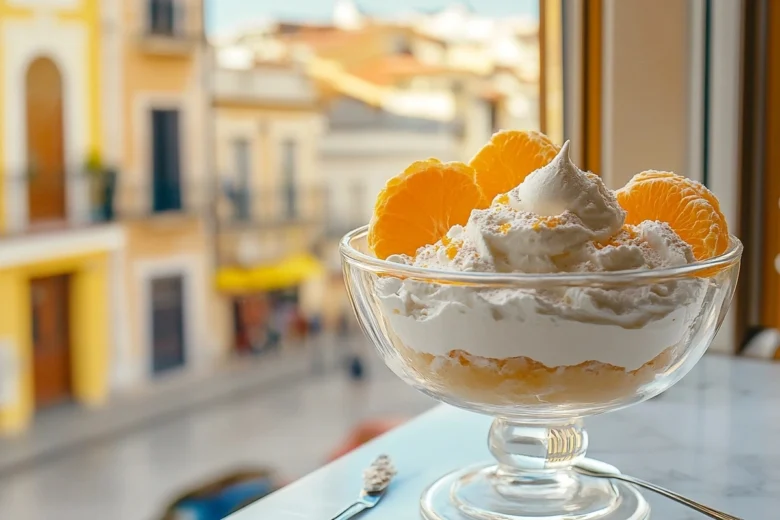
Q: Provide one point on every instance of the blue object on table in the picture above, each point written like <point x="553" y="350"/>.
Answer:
<point x="222" y="502"/>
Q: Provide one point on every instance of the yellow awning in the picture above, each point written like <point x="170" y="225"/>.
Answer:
<point x="285" y="273"/>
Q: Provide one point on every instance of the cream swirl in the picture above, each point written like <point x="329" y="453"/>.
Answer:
<point x="560" y="188"/>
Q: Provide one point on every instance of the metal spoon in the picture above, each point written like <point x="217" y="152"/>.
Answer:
<point x="376" y="478"/>
<point x="593" y="468"/>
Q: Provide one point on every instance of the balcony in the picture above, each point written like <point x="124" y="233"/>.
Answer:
<point x="166" y="31"/>
<point x="264" y="225"/>
<point x="135" y="201"/>
<point x="175" y="44"/>
<point x="272" y="207"/>
<point x="48" y="204"/>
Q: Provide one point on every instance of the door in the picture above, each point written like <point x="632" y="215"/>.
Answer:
<point x="161" y="17"/>
<point x="167" y="323"/>
<point x="45" y="142"/>
<point x="50" y="339"/>
<point x="243" y="162"/>
<point x="166" y="172"/>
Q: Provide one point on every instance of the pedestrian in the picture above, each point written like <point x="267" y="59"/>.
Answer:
<point x="316" y="345"/>
<point x="354" y="361"/>
<point x="356" y="369"/>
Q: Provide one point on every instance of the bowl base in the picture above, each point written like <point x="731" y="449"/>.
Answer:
<point x="475" y="494"/>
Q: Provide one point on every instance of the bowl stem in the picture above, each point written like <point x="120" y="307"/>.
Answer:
<point x="535" y="459"/>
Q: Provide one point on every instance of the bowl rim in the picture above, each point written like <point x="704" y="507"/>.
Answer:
<point x="370" y="263"/>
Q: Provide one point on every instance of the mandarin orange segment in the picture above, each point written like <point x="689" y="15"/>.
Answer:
<point x="507" y="159"/>
<point x="697" y="186"/>
<point x="687" y="206"/>
<point x="419" y="206"/>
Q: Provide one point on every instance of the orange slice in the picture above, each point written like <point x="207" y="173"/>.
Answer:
<point x="507" y="159"/>
<point x="687" y="206"/>
<point x="700" y="188"/>
<point x="420" y="205"/>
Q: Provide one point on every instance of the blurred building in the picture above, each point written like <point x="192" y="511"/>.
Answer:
<point x="105" y="266"/>
<point x="272" y="199"/>
<point x="392" y="91"/>
<point x="60" y="281"/>
<point x="155" y="211"/>
<point x="450" y="65"/>
<point x="164" y="189"/>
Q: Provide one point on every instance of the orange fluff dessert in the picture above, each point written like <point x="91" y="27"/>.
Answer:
<point x="522" y="206"/>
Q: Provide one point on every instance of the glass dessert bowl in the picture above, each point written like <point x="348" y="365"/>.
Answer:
<point x="521" y="287"/>
<point x="539" y="352"/>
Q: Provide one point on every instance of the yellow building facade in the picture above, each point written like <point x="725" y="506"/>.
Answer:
<point x="165" y="188"/>
<point x="56" y="305"/>
<point x="88" y="327"/>
<point x="92" y="304"/>
<point x="164" y="73"/>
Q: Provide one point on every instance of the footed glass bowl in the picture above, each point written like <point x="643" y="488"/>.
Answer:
<point x="538" y="352"/>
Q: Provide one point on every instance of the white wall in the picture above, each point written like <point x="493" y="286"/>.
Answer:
<point x="111" y="82"/>
<point x="724" y="128"/>
<point x="368" y="159"/>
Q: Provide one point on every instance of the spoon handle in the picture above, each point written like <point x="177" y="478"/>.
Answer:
<point x="351" y="511"/>
<point x="712" y="513"/>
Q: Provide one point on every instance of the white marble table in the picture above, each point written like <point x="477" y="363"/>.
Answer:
<point x="715" y="436"/>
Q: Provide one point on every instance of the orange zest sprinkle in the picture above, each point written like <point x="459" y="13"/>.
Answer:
<point x="548" y="222"/>
<point x="626" y="233"/>
<point x="453" y="249"/>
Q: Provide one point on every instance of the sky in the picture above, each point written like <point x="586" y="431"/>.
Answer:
<point x="227" y="15"/>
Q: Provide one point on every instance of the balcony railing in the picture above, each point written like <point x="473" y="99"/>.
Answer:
<point x="163" y="44"/>
<point x="134" y="200"/>
<point x="282" y="205"/>
<point x="268" y="85"/>
<point x="40" y="202"/>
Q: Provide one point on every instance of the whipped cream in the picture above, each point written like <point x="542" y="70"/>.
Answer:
<point x="559" y="219"/>
<point x="511" y="324"/>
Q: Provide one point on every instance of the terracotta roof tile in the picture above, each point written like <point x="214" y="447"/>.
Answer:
<point x="387" y="70"/>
